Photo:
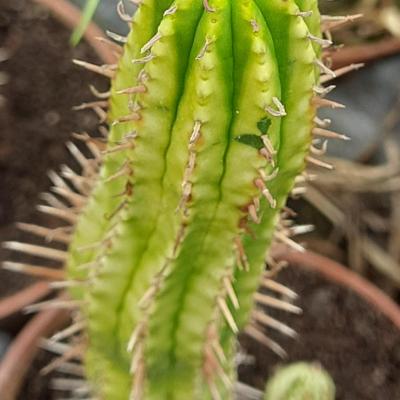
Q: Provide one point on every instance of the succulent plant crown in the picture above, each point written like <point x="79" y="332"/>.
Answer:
<point x="300" y="381"/>
<point x="212" y="120"/>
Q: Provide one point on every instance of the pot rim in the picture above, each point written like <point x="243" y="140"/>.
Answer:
<point x="70" y="15"/>
<point x="338" y="273"/>
<point x="23" y="349"/>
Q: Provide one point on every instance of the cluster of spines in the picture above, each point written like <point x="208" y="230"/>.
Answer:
<point x="96" y="245"/>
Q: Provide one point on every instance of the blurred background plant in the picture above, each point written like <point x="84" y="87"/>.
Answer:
<point x="300" y="381"/>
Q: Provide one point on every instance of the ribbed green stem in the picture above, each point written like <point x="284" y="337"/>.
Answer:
<point x="296" y="64"/>
<point x="221" y="97"/>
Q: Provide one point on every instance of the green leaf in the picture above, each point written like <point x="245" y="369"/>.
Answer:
<point x="263" y="125"/>
<point x="251" y="140"/>
<point x="87" y="15"/>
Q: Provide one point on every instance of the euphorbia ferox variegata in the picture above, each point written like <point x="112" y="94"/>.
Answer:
<point x="212" y="115"/>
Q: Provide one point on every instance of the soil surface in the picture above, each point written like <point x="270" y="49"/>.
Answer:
<point x="39" y="86"/>
<point x="360" y="348"/>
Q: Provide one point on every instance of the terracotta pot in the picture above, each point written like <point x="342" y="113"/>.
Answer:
<point x="365" y="53"/>
<point x="70" y="16"/>
<point x="341" y="275"/>
<point x="23" y="349"/>
<point x="18" y="301"/>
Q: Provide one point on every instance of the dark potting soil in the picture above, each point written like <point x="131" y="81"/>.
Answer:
<point x="39" y="85"/>
<point x="359" y="347"/>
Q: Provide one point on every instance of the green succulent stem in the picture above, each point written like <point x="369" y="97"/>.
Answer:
<point x="211" y="119"/>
